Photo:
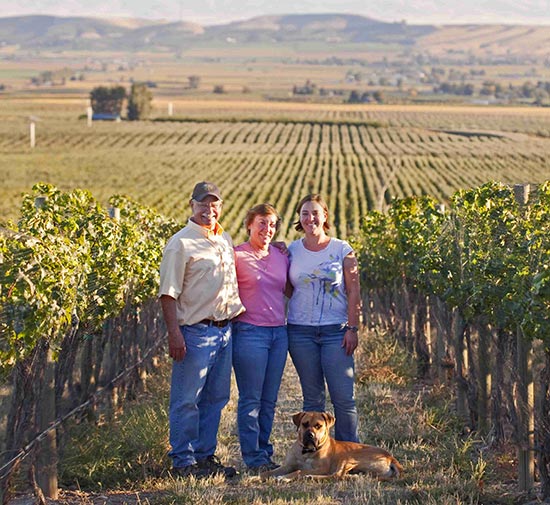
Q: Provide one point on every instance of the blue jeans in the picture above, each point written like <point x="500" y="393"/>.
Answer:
<point x="198" y="393"/>
<point x="259" y="357"/>
<point x="318" y="355"/>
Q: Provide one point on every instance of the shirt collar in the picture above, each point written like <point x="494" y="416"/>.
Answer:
<point x="218" y="230"/>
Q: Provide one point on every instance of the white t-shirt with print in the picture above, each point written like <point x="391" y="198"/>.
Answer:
<point x="319" y="296"/>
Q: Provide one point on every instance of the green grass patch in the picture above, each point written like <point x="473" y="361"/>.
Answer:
<point x="125" y="451"/>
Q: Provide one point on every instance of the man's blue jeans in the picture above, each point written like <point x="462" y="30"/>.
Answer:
<point x="199" y="391"/>
<point x="318" y="355"/>
<point x="259" y="357"/>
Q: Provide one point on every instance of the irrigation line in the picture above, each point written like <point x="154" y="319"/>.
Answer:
<point x="25" y="451"/>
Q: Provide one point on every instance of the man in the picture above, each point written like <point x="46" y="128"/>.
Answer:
<point x="199" y="297"/>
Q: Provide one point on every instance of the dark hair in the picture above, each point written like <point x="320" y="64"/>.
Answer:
<point x="313" y="197"/>
<point x="262" y="209"/>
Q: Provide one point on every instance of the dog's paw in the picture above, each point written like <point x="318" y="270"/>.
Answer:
<point x="282" y="478"/>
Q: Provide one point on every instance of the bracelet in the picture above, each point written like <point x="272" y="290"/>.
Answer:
<point x="355" y="329"/>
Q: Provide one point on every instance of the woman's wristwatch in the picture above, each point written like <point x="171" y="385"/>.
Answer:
<point x="355" y="329"/>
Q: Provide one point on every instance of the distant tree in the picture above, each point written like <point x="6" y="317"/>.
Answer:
<point x="366" y="97"/>
<point x="194" y="81"/>
<point x="309" y="88"/>
<point x="491" y="88"/>
<point x="488" y="88"/>
<point x="46" y="76"/>
<point x="455" y="89"/>
<point x="246" y="89"/>
<point x="107" y="100"/>
<point x="139" y="102"/>
<point x="528" y="89"/>
<point x="468" y="89"/>
<point x="542" y="97"/>
<point x="378" y="96"/>
<point x="354" y="97"/>
<point x="218" y="88"/>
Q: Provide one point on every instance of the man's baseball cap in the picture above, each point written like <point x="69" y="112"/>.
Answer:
<point x="204" y="189"/>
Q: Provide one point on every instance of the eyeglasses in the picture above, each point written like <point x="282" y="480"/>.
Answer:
<point x="205" y="206"/>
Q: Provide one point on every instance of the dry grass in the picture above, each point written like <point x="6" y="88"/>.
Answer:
<point x="414" y="421"/>
<point x="498" y="39"/>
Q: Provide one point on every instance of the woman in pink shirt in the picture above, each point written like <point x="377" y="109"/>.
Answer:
<point x="260" y="340"/>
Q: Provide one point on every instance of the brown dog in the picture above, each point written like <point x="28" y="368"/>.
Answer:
<point x="318" y="455"/>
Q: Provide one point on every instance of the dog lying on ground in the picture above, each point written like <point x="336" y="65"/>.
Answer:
<point x="315" y="454"/>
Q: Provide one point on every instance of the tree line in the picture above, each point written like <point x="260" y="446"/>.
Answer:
<point x="110" y="100"/>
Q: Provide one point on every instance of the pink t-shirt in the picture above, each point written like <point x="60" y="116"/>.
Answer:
<point x="261" y="285"/>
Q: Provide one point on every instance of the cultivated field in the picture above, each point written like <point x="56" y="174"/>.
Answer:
<point x="359" y="157"/>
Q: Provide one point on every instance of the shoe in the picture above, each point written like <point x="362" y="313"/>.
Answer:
<point x="213" y="466"/>
<point x="191" y="471"/>
<point x="266" y="467"/>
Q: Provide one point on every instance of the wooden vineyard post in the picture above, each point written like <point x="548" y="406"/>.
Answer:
<point x="526" y="392"/>
<point x="39" y="202"/>
<point x="485" y="378"/>
<point x="89" y="115"/>
<point x="461" y="356"/>
<point x="32" y="134"/>
<point x="526" y="415"/>
<point x="46" y="461"/>
<point x="428" y="334"/>
<point x="439" y="339"/>
<point x="437" y="308"/>
<point x="170" y="108"/>
<point x="46" y="471"/>
<point x="114" y="213"/>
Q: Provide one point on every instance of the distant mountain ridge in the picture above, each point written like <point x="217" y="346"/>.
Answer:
<point x="86" y="33"/>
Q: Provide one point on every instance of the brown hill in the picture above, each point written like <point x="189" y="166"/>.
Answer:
<point x="327" y="31"/>
<point x="488" y="39"/>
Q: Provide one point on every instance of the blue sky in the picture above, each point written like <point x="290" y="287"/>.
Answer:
<point x="222" y="11"/>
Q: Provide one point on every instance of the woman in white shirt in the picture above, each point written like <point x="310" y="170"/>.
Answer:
<point x="323" y="316"/>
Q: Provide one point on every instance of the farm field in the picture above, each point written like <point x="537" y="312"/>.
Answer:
<point x="359" y="157"/>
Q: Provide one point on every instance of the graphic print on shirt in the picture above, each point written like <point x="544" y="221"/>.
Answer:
<point x="324" y="281"/>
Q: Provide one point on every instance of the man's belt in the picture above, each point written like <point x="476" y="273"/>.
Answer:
<point x="217" y="324"/>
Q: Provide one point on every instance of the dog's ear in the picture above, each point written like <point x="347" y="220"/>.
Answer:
<point x="329" y="419"/>
<point x="296" y="418"/>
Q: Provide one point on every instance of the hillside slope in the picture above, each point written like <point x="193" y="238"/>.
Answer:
<point x="328" y="31"/>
